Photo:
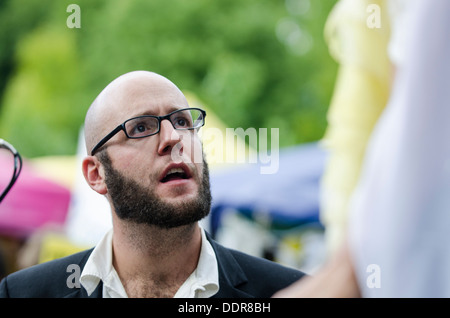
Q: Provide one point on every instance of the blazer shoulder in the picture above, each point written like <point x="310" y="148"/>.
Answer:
<point x="44" y="280"/>
<point x="257" y="268"/>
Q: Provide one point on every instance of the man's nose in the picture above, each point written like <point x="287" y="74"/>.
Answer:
<point x="168" y="138"/>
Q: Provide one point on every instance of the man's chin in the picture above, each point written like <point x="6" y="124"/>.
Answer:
<point x="175" y="192"/>
<point x="179" y="201"/>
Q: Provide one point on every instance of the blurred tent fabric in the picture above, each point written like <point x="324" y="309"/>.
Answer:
<point x="33" y="201"/>
<point x="287" y="199"/>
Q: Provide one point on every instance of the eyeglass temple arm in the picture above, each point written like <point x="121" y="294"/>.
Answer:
<point x="106" y="138"/>
<point x="7" y="145"/>
<point x="17" y="166"/>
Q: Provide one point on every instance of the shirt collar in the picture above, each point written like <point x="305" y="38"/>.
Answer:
<point x="204" y="280"/>
<point x="202" y="283"/>
<point x="99" y="267"/>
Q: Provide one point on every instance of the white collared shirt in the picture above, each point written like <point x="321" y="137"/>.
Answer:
<point x="202" y="283"/>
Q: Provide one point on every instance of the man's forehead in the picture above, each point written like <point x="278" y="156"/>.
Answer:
<point x="130" y="95"/>
<point x="145" y="94"/>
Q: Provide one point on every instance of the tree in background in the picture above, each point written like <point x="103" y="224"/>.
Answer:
<point x="256" y="63"/>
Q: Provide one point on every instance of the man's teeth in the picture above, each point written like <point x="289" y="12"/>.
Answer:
<point x="175" y="170"/>
<point x="175" y="173"/>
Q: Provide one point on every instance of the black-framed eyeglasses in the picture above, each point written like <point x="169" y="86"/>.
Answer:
<point x="148" y="125"/>
<point x="17" y="166"/>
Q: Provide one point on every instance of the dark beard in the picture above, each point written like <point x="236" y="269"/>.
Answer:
<point x="134" y="203"/>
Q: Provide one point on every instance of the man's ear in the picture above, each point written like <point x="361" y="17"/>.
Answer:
<point x="94" y="174"/>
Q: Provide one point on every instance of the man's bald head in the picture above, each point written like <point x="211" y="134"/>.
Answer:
<point x="124" y="98"/>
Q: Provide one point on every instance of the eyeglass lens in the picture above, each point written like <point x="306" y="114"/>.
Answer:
<point x="147" y="125"/>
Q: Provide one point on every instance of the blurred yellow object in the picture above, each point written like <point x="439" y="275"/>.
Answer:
<point x="56" y="245"/>
<point x="361" y="92"/>
<point x="218" y="145"/>
<point x="59" y="169"/>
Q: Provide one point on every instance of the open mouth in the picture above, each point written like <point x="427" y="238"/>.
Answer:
<point x="175" y="173"/>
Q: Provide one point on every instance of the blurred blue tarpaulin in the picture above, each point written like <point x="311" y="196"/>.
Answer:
<point x="287" y="198"/>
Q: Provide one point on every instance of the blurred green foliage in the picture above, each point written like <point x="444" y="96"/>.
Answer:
<point x="255" y="63"/>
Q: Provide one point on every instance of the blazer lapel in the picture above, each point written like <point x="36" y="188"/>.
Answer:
<point x="231" y="275"/>
<point x="81" y="292"/>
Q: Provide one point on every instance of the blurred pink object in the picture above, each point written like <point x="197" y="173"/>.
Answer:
<point x="31" y="203"/>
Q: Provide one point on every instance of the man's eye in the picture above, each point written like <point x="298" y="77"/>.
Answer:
<point x="182" y="122"/>
<point x="140" y="128"/>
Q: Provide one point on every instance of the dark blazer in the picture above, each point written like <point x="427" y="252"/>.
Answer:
<point x="240" y="275"/>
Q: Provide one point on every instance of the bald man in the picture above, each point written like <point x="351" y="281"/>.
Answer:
<point x="143" y="146"/>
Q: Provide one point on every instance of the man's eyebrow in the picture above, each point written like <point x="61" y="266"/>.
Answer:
<point x="153" y="113"/>
<point x="146" y="113"/>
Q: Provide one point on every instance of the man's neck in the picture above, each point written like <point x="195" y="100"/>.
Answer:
<point x="151" y="261"/>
